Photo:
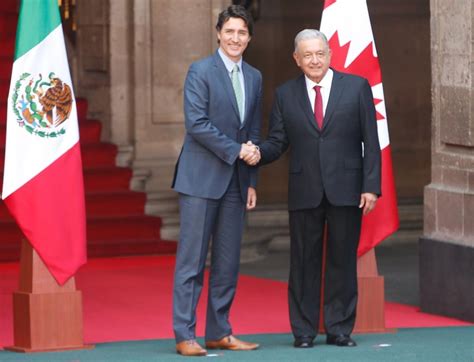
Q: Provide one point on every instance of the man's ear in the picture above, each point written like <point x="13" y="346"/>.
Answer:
<point x="295" y="57"/>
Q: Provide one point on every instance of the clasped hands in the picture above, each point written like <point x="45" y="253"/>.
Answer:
<point x="250" y="153"/>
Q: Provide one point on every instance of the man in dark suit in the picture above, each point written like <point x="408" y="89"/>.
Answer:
<point x="328" y="119"/>
<point x="222" y="108"/>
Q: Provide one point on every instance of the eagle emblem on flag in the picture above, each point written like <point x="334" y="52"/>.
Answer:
<point x="42" y="106"/>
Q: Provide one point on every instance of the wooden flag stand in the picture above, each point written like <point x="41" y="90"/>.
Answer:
<point x="371" y="302"/>
<point x="370" y="313"/>
<point x="46" y="316"/>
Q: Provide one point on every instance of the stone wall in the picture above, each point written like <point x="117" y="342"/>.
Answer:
<point x="447" y="248"/>
<point x="92" y="64"/>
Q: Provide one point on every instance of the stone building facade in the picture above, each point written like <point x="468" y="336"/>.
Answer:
<point x="447" y="246"/>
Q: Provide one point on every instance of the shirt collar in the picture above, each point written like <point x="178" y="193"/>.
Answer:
<point x="229" y="64"/>
<point x="325" y="82"/>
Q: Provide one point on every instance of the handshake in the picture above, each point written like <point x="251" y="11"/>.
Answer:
<point x="250" y="153"/>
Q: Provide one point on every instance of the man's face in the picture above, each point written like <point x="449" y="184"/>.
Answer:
<point x="313" y="57"/>
<point x="234" y="38"/>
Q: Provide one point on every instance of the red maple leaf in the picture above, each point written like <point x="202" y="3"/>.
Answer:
<point x="378" y="115"/>
<point x="365" y="65"/>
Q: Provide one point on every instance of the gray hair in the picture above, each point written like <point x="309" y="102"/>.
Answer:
<point x="308" y="34"/>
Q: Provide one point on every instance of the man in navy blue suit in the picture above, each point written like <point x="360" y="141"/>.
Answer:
<point x="222" y="108"/>
<point x="328" y="120"/>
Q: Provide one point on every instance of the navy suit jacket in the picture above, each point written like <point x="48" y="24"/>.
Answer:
<point x="330" y="160"/>
<point x="214" y="132"/>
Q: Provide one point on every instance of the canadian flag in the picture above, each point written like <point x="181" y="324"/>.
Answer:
<point x="43" y="185"/>
<point x="346" y="24"/>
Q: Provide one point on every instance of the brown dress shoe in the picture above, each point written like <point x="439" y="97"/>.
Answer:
<point x="190" y="348"/>
<point x="232" y="343"/>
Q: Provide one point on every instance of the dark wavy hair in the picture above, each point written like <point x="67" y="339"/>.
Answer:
<point x="235" y="11"/>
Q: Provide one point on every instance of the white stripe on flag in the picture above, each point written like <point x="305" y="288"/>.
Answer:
<point x="27" y="155"/>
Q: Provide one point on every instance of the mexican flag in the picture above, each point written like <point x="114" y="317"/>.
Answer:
<point x="43" y="185"/>
<point x="346" y="24"/>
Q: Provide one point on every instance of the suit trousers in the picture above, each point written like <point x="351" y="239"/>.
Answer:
<point x="201" y="219"/>
<point x="340" y="283"/>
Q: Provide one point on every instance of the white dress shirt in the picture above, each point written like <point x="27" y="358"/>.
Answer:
<point x="325" y="89"/>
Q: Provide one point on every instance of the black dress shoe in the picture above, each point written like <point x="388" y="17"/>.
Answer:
<point x="340" y="340"/>
<point x="303" y="343"/>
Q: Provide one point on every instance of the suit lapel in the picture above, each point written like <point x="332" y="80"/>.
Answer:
<point x="248" y="81"/>
<point x="336" y="90"/>
<point x="225" y="80"/>
<point x="302" y="96"/>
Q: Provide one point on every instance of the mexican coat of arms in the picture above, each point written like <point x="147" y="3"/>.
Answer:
<point x="42" y="106"/>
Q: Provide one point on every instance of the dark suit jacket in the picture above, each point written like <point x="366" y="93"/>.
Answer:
<point x="332" y="160"/>
<point x="214" y="132"/>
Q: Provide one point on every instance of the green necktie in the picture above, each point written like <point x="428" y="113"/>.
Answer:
<point x="238" y="90"/>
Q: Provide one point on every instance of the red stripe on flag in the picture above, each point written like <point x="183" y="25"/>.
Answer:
<point x="383" y="220"/>
<point x="50" y="210"/>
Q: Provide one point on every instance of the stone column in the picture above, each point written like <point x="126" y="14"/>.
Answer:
<point x="168" y="37"/>
<point x="447" y="247"/>
<point x="121" y="79"/>
<point x="91" y="71"/>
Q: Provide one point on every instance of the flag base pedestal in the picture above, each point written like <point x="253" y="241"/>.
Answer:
<point x="370" y="313"/>
<point x="371" y="301"/>
<point x="46" y="316"/>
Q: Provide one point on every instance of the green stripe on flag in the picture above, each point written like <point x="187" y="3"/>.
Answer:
<point x="37" y="19"/>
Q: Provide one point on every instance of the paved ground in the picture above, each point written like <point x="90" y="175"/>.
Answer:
<point x="398" y="263"/>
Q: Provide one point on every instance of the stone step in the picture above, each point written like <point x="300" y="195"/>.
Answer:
<point x="281" y="241"/>
<point x="162" y="203"/>
<point x="256" y="242"/>
<point x="273" y="215"/>
<point x="170" y="226"/>
<point x="411" y="216"/>
<point x="403" y="236"/>
<point x="267" y="226"/>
